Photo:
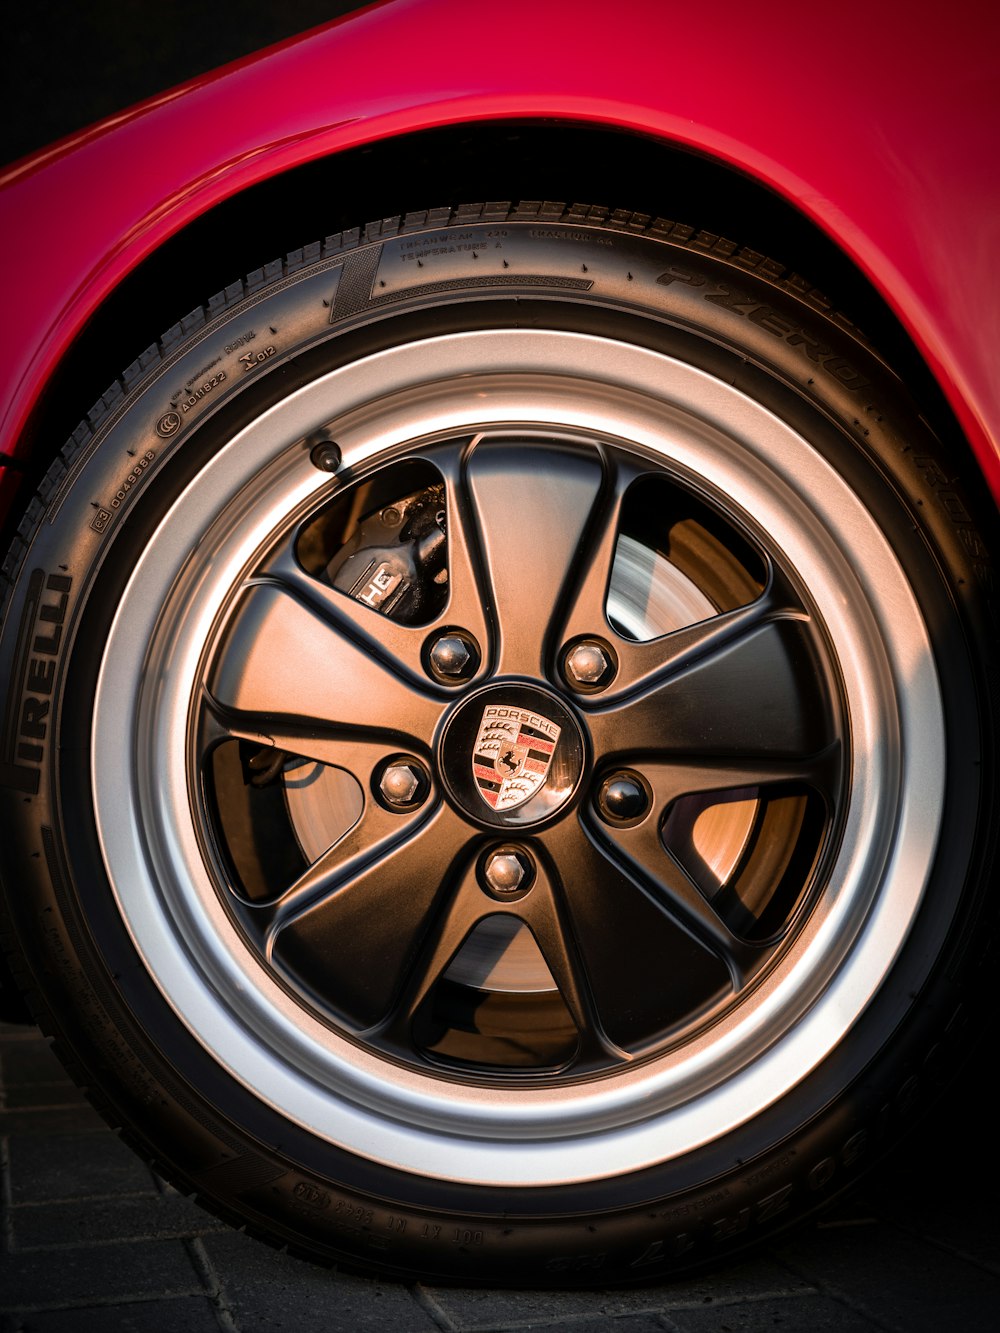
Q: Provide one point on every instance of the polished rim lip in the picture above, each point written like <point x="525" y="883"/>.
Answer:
<point x="501" y="1135"/>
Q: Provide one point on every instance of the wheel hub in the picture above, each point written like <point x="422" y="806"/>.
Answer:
<point x="512" y="755"/>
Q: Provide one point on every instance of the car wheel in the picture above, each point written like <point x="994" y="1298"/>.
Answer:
<point x="499" y="751"/>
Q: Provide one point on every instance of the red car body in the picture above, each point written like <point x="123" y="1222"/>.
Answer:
<point x="880" y="129"/>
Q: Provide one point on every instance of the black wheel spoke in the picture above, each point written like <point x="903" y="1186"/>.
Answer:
<point x="640" y="849"/>
<point x="468" y="592"/>
<point x="643" y="664"/>
<point x="465" y="908"/>
<point x="549" y="926"/>
<point x="395" y="644"/>
<point x="550" y="920"/>
<point x="282" y="659"/>
<point x="586" y="613"/>
<point x="348" y="750"/>
<point x="647" y="960"/>
<point x="377" y="833"/>
<point x="672" y="779"/>
<point x="753" y="695"/>
<point x="352" y="926"/>
<point x="533" y="506"/>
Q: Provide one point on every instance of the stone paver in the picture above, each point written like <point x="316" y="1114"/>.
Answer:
<point x="898" y="1280"/>
<point x="476" y="1310"/>
<point x="807" y="1314"/>
<point x="261" y="1287"/>
<point x="91" y="1239"/>
<point x="28" y="1063"/>
<point x="73" y="1166"/>
<point x="97" y="1221"/>
<point x="629" y="1323"/>
<point x="187" y="1314"/>
<point x="89" y="1274"/>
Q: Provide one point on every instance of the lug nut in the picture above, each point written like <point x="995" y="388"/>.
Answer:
<point x="450" y="655"/>
<point x="400" y="784"/>
<point x="587" y="663"/>
<point x="507" y="872"/>
<point x="623" y="797"/>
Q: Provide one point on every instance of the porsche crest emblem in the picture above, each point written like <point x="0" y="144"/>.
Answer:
<point x="512" y="755"/>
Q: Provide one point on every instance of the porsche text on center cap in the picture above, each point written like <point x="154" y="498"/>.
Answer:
<point x="512" y="754"/>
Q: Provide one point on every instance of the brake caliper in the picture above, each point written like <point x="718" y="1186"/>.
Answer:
<point x="395" y="560"/>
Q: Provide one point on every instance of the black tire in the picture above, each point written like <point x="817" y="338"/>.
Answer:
<point x="538" y="441"/>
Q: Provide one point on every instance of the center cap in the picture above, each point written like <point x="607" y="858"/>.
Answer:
<point x="511" y="755"/>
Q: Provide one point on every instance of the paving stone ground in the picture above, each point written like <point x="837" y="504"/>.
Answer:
<point x="92" y="1240"/>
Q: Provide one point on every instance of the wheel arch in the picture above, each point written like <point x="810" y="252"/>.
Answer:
<point x="520" y="159"/>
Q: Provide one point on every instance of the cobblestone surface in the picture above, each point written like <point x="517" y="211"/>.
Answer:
<point x="91" y="1239"/>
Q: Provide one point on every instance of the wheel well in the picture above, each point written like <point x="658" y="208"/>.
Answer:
<point x="495" y="160"/>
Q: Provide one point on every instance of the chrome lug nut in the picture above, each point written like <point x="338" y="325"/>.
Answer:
<point x="587" y="663"/>
<point x="504" y="873"/>
<point x="399" y="784"/>
<point x="507" y="872"/>
<point x="450" y="655"/>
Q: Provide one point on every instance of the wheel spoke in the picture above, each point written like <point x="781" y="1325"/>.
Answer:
<point x="549" y="918"/>
<point x="282" y="659"/>
<point x="752" y="695"/>
<point x="468" y="595"/>
<point x="396" y="644"/>
<point x="548" y="924"/>
<point x="641" y="664"/>
<point x="352" y="926"/>
<point x="640" y="849"/>
<point x="672" y="779"/>
<point x="533" y="505"/>
<point x="465" y="908"/>
<point x="648" y="960"/>
<point x="350" y="751"/>
<point x="587" y="611"/>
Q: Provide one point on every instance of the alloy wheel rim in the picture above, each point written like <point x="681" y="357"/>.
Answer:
<point x="354" y="1087"/>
